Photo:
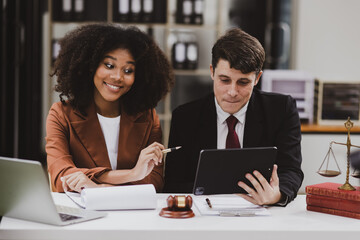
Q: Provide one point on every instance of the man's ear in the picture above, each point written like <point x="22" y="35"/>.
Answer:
<point x="258" y="77"/>
<point x="212" y="71"/>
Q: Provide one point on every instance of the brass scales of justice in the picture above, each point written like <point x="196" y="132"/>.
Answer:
<point x="332" y="173"/>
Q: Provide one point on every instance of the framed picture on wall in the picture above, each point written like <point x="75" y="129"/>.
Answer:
<point x="337" y="102"/>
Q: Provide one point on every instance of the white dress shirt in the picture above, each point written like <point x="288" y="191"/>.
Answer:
<point x="222" y="128"/>
<point x="111" y="128"/>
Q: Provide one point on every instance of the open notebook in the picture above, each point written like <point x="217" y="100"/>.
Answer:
<point x="25" y="194"/>
<point x="228" y="205"/>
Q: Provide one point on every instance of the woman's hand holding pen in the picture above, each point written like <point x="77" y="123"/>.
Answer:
<point x="149" y="157"/>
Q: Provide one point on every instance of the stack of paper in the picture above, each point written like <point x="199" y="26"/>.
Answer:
<point x="228" y="205"/>
<point x="116" y="198"/>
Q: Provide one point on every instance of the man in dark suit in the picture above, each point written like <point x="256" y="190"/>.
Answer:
<point x="262" y="120"/>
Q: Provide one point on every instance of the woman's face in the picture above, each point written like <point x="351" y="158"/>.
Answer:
<point x="114" y="76"/>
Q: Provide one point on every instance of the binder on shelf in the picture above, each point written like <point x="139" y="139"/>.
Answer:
<point x="198" y="12"/>
<point x="140" y="11"/>
<point x="148" y="11"/>
<point x="185" y="51"/>
<point x="135" y="11"/>
<point x="189" y="11"/>
<point x="184" y="11"/>
<point x="79" y="10"/>
<point x="121" y="10"/>
<point x="179" y="55"/>
<point x="66" y="10"/>
<point x="192" y="55"/>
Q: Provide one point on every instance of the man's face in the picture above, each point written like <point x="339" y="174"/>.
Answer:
<point x="232" y="88"/>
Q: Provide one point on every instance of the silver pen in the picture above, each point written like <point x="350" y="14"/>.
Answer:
<point x="171" y="149"/>
<point x="237" y="213"/>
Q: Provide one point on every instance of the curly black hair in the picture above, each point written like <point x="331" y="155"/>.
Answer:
<point x="84" y="48"/>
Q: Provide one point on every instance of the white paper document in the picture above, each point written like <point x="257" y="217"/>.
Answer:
<point x="228" y="205"/>
<point x="116" y="198"/>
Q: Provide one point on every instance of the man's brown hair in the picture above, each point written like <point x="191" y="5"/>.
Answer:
<point x="243" y="51"/>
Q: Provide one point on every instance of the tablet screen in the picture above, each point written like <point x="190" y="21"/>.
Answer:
<point x="220" y="170"/>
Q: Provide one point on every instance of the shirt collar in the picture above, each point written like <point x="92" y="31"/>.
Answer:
<point x="222" y="116"/>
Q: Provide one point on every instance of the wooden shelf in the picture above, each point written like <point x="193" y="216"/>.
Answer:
<point x="313" y="128"/>
<point x="189" y="27"/>
<point x="196" y="72"/>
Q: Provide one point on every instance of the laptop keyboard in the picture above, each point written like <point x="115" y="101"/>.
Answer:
<point x="66" y="217"/>
<point x="68" y="213"/>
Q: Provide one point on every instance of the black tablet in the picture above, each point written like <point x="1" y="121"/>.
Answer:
<point x="220" y="170"/>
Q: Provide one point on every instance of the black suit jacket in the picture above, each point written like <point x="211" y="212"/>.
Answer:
<point x="271" y="120"/>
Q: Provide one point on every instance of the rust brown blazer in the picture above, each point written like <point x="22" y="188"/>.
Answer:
<point x="75" y="142"/>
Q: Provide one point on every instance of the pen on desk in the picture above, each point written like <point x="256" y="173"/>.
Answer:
<point x="171" y="149"/>
<point x="208" y="202"/>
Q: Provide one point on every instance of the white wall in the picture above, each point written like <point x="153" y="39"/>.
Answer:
<point x="314" y="149"/>
<point x="327" y="38"/>
<point x="327" y="45"/>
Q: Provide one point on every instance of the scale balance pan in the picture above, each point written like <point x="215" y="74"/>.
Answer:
<point x="356" y="174"/>
<point x="329" y="173"/>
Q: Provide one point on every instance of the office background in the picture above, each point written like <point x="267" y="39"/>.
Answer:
<point x="324" y="42"/>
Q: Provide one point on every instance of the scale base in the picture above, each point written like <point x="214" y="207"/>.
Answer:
<point x="348" y="187"/>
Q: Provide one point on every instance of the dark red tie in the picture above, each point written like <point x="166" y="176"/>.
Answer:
<point x="232" y="139"/>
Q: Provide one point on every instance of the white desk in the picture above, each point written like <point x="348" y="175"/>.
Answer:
<point x="290" y="223"/>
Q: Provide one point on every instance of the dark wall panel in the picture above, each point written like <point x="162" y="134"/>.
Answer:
<point x="20" y="121"/>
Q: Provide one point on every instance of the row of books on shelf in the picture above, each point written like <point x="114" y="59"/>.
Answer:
<point x="327" y="198"/>
<point x="127" y="11"/>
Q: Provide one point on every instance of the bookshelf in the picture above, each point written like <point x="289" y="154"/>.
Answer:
<point x="164" y="29"/>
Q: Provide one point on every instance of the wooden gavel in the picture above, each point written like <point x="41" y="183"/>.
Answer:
<point x="179" y="203"/>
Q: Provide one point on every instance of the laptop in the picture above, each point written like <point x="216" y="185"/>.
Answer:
<point x="220" y="170"/>
<point x="25" y="194"/>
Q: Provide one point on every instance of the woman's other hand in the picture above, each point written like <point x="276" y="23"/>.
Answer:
<point x="76" y="182"/>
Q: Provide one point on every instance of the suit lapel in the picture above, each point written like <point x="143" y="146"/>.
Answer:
<point x="208" y="125"/>
<point x="254" y="123"/>
<point x="90" y="135"/>
<point x="132" y="139"/>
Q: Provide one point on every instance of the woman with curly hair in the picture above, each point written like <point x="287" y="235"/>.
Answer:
<point x="105" y="130"/>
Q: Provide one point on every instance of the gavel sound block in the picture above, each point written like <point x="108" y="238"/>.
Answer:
<point x="178" y="207"/>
